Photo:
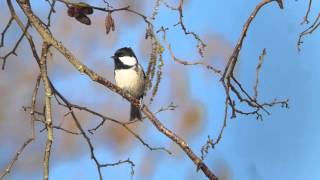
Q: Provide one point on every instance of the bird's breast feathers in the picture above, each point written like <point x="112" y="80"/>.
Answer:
<point x="130" y="80"/>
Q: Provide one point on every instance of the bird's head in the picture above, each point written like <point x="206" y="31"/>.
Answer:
<point x="125" y="57"/>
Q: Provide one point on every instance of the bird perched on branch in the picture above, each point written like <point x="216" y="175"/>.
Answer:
<point x="129" y="76"/>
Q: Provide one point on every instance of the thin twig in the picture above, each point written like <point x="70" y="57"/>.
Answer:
<point x="168" y="46"/>
<point x="85" y="136"/>
<point x="32" y="136"/>
<point x="305" y="18"/>
<point x="4" y="31"/>
<point x="255" y="87"/>
<point x="52" y="10"/>
<point x="62" y="129"/>
<point x="128" y="161"/>
<point x="200" y="44"/>
<point x="33" y="105"/>
<point x="8" y="169"/>
<point x="210" y="143"/>
<point x="48" y="114"/>
<point x="105" y="118"/>
<point x="13" y="51"/>
<point x="307" y="31"/>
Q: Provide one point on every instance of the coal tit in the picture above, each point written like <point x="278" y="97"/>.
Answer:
<point x="129" y="76"/>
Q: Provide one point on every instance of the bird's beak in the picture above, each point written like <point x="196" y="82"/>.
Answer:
<point x="112" y="57"/>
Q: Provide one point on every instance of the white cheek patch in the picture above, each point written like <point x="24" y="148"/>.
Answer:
<point x="128" y="60"/>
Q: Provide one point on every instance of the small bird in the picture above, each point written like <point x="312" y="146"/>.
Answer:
<point x="129" y="76"/>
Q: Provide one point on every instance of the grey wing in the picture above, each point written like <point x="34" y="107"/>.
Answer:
<point x="144" y="75"/>
<point x="144" y="82"/>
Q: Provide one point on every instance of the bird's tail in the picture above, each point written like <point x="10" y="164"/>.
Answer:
<point x="135" y="113"/>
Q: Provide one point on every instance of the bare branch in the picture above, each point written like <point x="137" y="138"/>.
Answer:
<point x="307" y="31"/>
<point x="200" y="44"/>
<point x="230" y="83"/>
<point x="13" y="51"/>
<point x="8" y="169"/>
<point x="168" y="46"/>
<point x="62" y="129"/>
<point x="121" y="162"/>
<point x="48" y="114"/>
<point x="33" y="105"/>
<point x="86" y="137"/>
<point x="210" y="143"/>
<point x="305" y="18"/>
<point x="105" y="118"/>
<point x="31" y="138"/>
<point x="22" y="27"/>
<point x="255" y="88"/>
<point x="4" y="31"/>
<point x="51" y="11"/>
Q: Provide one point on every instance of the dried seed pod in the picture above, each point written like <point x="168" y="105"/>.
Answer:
<point x="83" y="19"/>
<point x="79" y="8"/>
<point x="85" y="8"/>
<point x="72" y="12"/>
<point x="109" y="23"/>
<point x="79" y="11"/>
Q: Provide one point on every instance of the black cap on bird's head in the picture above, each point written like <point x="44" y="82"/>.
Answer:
<point x="125" y="51"/>
<point x="124" y="58"/>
